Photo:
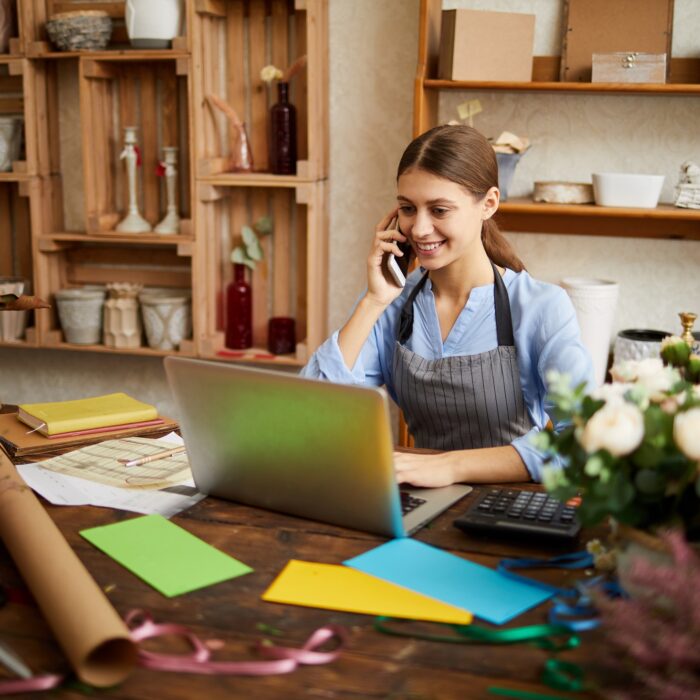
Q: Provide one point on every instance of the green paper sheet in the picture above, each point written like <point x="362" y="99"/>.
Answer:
<point x="164" y="555"/>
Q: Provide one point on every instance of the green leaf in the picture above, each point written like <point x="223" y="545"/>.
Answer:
<point x="238" y="255"/>
<point x="649" y="481"/>
<point x="253" y="249"/>
<point x="263" y="225"/>
<point x="248" y="235"/>
<point x="647" y="456"/>
<point x="590" y="406"/>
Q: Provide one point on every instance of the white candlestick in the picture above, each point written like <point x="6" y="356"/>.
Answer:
<point x="171" y="220"/>
<point x="133" y="222"/>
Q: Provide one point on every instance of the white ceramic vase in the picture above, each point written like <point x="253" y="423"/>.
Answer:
<point x="122" y="321"/>
<point x="167" y="317"/>
<point x="153" y="24"/>
<point x="171" y="220"/>
<point x="80" y="313"/>
<point x="595" y="301"/>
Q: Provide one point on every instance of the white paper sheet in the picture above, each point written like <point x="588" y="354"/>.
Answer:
<point x="65" y="490"/>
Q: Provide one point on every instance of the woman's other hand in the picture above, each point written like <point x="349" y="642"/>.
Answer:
<point x="381" y="289"/>
<point x="424" y="470"/>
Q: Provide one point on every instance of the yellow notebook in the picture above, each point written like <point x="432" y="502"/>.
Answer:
<point x="61" y="417"/>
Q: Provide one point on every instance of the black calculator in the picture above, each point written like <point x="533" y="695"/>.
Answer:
<point x="515" y="512"/>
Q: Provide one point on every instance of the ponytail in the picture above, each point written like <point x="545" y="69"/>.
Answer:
<point x="497" y="247"/>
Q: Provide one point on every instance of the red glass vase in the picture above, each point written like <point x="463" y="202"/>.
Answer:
<point x="283" y="133"/>
<point x="239" y="311"/>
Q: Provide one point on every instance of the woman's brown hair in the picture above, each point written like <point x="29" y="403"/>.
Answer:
<point x="464" y="156"/>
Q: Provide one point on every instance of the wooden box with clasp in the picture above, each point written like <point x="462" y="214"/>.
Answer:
<point x="629" y="67"/>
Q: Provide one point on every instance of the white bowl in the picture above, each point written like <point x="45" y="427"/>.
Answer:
<point x="627" y="189"/>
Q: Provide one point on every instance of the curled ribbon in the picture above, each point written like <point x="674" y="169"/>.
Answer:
<point x="142" y="627"/>
<point x="282" y="659"/>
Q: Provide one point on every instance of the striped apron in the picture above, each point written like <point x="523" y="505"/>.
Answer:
<point x="465" y="401"/>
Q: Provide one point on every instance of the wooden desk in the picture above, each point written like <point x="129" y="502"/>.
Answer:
<point x="373" y="665"/>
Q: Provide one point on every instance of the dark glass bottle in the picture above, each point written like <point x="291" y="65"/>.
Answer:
<point x="283" y="133"/>
<point x="239" y="311"/>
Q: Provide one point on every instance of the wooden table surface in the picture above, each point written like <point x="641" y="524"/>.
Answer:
<point x="373" y="665"/>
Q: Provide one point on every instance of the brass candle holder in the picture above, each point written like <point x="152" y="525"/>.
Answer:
<point x="687" y="320"/>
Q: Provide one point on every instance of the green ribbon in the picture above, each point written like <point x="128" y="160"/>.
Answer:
<point x="560" y="675"/>
<point x="549" y="637"/>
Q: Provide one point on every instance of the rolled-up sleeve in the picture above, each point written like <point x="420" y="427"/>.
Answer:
<point x="556" y="346"/>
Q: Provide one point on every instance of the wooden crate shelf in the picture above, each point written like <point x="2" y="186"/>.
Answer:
<point x="19" y="203"/>
<point x="240" y="31"/>
<point x="151" y="96"/>
<point x="292" y="277"/>
<point x="36" y="12"/>
<point x="87" y="98"/>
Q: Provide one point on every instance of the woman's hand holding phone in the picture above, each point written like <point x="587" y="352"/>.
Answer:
<point x="382" y="286"/>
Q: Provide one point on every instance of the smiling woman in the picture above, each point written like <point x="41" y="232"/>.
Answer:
<point x="464" y="347"/>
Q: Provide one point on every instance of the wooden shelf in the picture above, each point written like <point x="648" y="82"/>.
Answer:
<point x="145" y="350"/>
<point x="255" y="180"/>
<point x="115" y="55"/>
<point x="14" y="177"/>
<point x="665" y="221"/>
<point x="555" y="86"/>
<point x="148" y="239"/>
<point x="10" y="58"/>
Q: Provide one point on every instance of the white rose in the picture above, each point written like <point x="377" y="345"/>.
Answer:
<point x="612" y="393"/>
<point x="617" y="428"/>
<point x="631" y="370"/>
<point x="658" y="383"/>
<point x="686" y="433"/>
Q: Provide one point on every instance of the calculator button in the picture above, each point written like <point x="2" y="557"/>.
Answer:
<point x="544" y="517"/>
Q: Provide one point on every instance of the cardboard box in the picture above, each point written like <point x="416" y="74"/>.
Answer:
<point x="480" y="45"/>
<point x="629" y="67"/>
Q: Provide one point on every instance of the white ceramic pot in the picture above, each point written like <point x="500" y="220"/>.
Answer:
<point x="152" y="24"/>
<point x="637" y="344"/>
<point x="13" y="323"/>
<point x="10" y="141"/>
<point x="595" y="302"/>
<point x="627" y="189"/>
<point x="80" y="313"/>
<point x="167" y="317"/>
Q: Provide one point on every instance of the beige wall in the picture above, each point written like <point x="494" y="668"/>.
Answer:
<point x="372" y="63"/>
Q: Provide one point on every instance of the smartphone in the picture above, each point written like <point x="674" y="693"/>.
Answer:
<point x="398" y="267"/>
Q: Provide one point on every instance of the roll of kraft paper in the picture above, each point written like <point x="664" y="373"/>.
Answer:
<point x="92" y="635"/>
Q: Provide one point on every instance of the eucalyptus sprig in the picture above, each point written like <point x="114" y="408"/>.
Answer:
<point x="250" y="252"/>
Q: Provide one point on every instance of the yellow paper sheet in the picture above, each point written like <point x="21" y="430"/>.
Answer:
<point x="335" y="587"/>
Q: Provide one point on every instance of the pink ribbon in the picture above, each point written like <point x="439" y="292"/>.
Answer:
<point x="286" y="659"/>
<point x="142" y="627"/>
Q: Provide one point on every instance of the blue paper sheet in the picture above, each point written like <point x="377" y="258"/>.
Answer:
<point x="486" y="593"/>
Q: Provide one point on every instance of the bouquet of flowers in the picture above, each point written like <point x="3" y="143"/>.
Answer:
<point x="632" y="448"/>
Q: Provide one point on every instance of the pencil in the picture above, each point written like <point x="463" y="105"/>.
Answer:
<point x="152" y="458"/>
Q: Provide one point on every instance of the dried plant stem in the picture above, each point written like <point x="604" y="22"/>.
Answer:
<point x="240" y="157"/>
<point x="293" y="69"/>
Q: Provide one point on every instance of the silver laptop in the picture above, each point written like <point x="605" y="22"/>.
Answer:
<point x="310" y="448"/>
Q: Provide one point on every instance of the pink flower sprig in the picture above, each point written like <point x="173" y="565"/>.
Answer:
<point x="654" y="637"/>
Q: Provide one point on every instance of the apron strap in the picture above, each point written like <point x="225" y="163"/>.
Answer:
<point x="406" y="318"/>
<point x="504" y="321"/>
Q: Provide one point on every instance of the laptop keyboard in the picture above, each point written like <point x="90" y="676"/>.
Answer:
<point x="409" y="502"/>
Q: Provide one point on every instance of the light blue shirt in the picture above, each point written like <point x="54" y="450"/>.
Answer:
<point x="546" y="335"/>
